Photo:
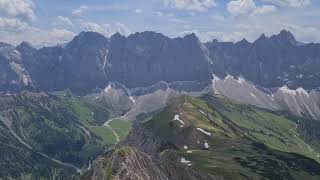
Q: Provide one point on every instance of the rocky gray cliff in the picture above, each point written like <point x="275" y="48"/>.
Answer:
<point x="13" y="75"/>
<point x="146" y="58"/>
<point x="91" y="61"/>
<point x="269" y="61"/>
<point x="129" y="163"/>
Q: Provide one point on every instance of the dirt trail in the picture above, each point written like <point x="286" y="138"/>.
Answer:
<point x="114" y="132"/>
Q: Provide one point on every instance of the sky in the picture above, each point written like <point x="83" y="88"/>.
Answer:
<point x="51" y="22"/>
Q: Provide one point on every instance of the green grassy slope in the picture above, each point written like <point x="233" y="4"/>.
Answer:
<point x="62" y="126"/>
<point x="122" y="127"/>
<point x="245" y="142"/>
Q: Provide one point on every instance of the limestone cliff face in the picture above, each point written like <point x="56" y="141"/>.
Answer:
<point x="269" y="61"/>
<point x="13" y="75"/>
<point x="91" y="61"/>
<point x="143" y="59"/>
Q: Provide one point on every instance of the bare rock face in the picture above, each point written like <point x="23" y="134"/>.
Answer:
<point x="298" y="101"/>
<point x="243" y="91"/>
<point x="128" y="163"/>
<point x="13" y="75"/>
<point x="77" y="66"/>
<point x="117" y="98"/>
<point x="143" y="59"/>
<point x="269" y="61"/>
<point x="91" y="61"/>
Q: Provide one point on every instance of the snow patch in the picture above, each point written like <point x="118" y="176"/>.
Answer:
<point x="177" y="118"/>
<point x="215" y="78"/>
<point x="203" y="131"/>
<point x="253" y="95"/>
<point x="202" y="112"/>
<point x="184" y="161"/>
<point x="185" y="147"/>
<point x="206" y="145"/>
<point x="241" y="80"/>
<point x="132" y="99"/>
<point x="300" y="76"/>
<point x="60" y="59"/>
<point x="105" y="60"/>
<point x="108" y="88"/>
<point x="228" y="77"/>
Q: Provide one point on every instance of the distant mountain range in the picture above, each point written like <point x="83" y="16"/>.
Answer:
<point x="91" y="61"/>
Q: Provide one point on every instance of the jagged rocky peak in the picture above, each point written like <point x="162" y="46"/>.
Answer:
<point x="117" y="36"/>
<point x="9" y="53"/>
<point x="147" y="35"/>
<point x="262" y="39"/>
<point x="147" y="42"/>
<point x="117" y="43"/>
<point x="285" y="36"/>
<point x="6" y="48"/>
<point x="87" y="39"/>
<point x="25" y="46"/>
<point x="191" y="38"/>
<point x="244" y="41"/>
<point x="5" y="45"/>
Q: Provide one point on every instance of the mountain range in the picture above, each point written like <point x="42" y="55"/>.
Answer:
<point x="91" y="61"/>
<point x="193" y="110"/>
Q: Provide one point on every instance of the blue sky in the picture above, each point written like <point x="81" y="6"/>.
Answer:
<point x="50" y="22"/>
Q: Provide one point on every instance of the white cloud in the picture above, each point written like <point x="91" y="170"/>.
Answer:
<point x="245" y="7"/>
<point x="241" y="7"/>
<point x="80" y="11"/>
<point x="178" y="21"/>
<point x="138" y="11"/>
<point x="264" y="9"/>
<point x="158" y="13"/>
<point x="18" y="8"/>
<point x="38" y="38"/>
<point x="64" y="21"/>
<point x="106" y="29"/>
<point x="15" y="25"/>
<point x="290" y="3"/>
<point x="194" y="5"/>
<point x="61" y="35"/>
<point x="218" y="17"/>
